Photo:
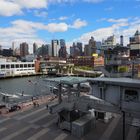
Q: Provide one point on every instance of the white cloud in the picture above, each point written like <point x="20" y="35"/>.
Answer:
<point x="34" y="26"/>
<point x="22" y="30"/>
<point x="17" y="34"/>
<point x="15" y="7"/>
<point x="57" y="27"/>
<point x="114" y="20"/>
<point x="118" y="20"/>
<point x="78" y="23"/>
<point x="29" y="4"/>
<point x="127" y="28"/>
<point x="8" y="8"/>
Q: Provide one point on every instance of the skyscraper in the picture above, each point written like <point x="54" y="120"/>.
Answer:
<point x="90" y="48"/>
<point x="135" y="45"/>
<point x="62" y="50"/>
<point x="110" y="42"/>
<point x="76" y="49"/>
<point x="86" y="50"/>
<point x="13" y="47"/>
<point x="0" y="47"/>
<point x="62" y="43"/>
<point x="79" y="46"/>
<point x="121" y="40"/>
<point x="92" y="45"/>
<point x="55" y="48"/>
<point x="24" y="49"/>
<point x="72" y="51"/>
<point x="35" y="47"/>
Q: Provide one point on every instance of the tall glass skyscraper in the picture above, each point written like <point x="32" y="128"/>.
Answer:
<point x="55" y="48"/>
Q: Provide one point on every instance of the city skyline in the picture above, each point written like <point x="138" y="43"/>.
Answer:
<point x="41" y="21"/>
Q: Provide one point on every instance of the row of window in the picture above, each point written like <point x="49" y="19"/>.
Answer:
<point x="16" y="66"/>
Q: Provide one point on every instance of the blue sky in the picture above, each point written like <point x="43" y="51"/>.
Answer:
<point x="73" y="20"/>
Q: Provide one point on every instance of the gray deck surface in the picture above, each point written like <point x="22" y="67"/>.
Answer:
<point x="38" y="124"/>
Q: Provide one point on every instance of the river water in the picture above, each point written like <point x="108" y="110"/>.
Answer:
<point x="27" y="85"/>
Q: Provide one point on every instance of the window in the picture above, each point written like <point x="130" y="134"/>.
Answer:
<point x="2" y="66"/>
<point x="7" y="66"/>
<point x="29" y="65"/>
<point x="12" y="66"/>
<point x="131" y="95"/>
<point x="21" y="65"/>
<point x="17" y="66"/>
<point x="25" y="65"/>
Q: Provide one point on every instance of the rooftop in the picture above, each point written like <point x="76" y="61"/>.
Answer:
<point x="118" y="81"/>
<point x="69" y="80"/>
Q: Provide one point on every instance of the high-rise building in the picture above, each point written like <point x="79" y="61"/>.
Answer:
<point x="86" y="50"/>
<point x="72" y="51"/>
<point x="110" y="42"/>
<point x="13" y="47"/>
<point x="62" y="43"/>
<point x="76" y="49"/>
<point x="24" y="49"/>
<point x="55" y="48"/>
<point x="17" y="51"/>
<point x="121" y="40"/>
<point x="35" y="47"/>
<point x="62" y="50"/>
<point x="90" y="48"/>
<point x="135" y="45"/>
<point x="49" y="50"/>
<point x="98" y="46"/>
<point x="44" y="51"/>
<point x="92" y="45"/>
<point x="0" y="47"/>
<point x="79" y="46"/>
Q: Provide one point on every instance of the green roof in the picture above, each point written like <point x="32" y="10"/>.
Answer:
<point x="69" y="80"/>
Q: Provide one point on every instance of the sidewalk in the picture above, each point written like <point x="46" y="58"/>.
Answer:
<point x="28" y="105"/>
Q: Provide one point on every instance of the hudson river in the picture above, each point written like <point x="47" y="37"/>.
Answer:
<point x="28" y="85"/>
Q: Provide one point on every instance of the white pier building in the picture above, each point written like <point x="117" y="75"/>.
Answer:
<point x="16" y="68"/>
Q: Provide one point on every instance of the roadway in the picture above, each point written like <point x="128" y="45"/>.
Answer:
<point x="37" y="124"/>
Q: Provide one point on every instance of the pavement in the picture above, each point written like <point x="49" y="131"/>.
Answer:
<point x="36" y="123"/>
<point x="30" y="104"/>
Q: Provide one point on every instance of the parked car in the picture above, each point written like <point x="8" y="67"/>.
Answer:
<point x="14" y="107"/>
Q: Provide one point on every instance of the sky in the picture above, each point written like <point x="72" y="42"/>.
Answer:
<point x="41" y="21"/>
